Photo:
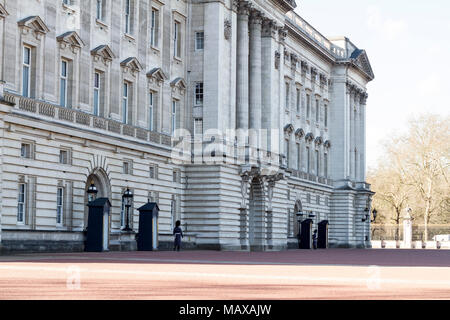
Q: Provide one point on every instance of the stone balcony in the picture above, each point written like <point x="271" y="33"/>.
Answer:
<point x="311" y="177"/>
<point x="83" y="119"/>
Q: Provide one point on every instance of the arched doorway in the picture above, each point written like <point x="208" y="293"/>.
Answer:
<point x="100" y="178"/>
<point x="256" y="219"/>
<point x="297" y="208"/>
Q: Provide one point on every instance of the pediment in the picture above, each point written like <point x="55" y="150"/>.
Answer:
<point x="71" y="38"/>
<point x="327" y="144"/>
<point x="103" y="51"/>
<point x="131" y="63"/>
<point x="361" y="59"/>
<point x="179" y="82"/>
<point x="3" y="12"/>
<point x="35" y="23"/>
<point x="299" y="133"/>
<point x="318" y="141"/>
<point x="288" y="129"/>
<point x="157" y="74"/>
<point x="309" y="137"/>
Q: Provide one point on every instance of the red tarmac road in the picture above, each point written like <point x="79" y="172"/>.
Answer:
<point x="293" y="274"/>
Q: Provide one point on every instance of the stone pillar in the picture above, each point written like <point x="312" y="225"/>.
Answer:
<point x="407" y="229"/>
<point x="255" y="78"/>
<point x="242" y="84"/>
<point x="363" y="137"/>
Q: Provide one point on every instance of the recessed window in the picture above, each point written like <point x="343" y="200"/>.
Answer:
<point x="317" y="199"/>
<point x="154" y="28"/>
<point x="299" y="159"/>
<point x="287" y="96"/>
<point x="127" y="167"/>
<point x="125" y="102"/>
<point x="286" y="150"/>
<point x="60" y="206"/>
<point x="175" y="175"/>
<point x="308" y="158"/>
<point x="26" y="150"/>
<point x="153" y="171"/>
<point x="26" y="72"/>
<point x="21" y="203"/>
<point x="325" y="165"/>
<point x="174" y="115"/>
<point x="176" y="39"/>
<point x="63" y="84"/>
<point x="308" y="198"/>
<point x="64" y="156"/>
<point x="199" y="93"/>
<point x="199" y="40"/>
<point x="325" y="115"/>
<point x="97" y="93"/>
<point x="317" y="110"/>
<point x="127" y="16"/>
<point x="317" y="162"/>
<point x="308" y="106"/>
<point x="298" y="100"/>
<point x="151" y="110"/>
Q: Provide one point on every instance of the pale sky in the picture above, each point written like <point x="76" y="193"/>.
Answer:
<point x="408" y="44"/>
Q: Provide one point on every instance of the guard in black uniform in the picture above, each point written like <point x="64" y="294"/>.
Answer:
<point x="315" y="239"/>
<point x="178" y="233"/>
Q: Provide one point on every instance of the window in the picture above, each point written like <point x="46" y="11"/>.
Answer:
<point x="125" y="102"/>
<point x="317" y="162"/>
<point x="64" y="156"/>
<point x="26" y="72"/>
<point x="325" y="116"/>
<point x="175" y="175"/>
<point x="299" y="158"/>
<point x="60" y="206"/>
<point x="151" y="110"/>
<point x="317" y="199"/>
<point x="199" y="40"/>
<point x="199" y="93"/>
<point x="308" y="158"/>
<point x="287" y="96"/>
<point x="21" y="203"/>
<point x="96" y="93"/>
<point x="174" y="115"/>
<point x="298" y="100"/>
<point x="198" y="126"/>
<point x="153" y="171"/>
<point x="99" y="10"/>
<point x="308" y="198"/>
<point x="173" y="211"/>
<point x="127" y="167"/>
<point x="154" y="28"/>
<point x="63" y="84"/>
<point x="325" y="165"/>
<point x="286" y="149"/>
<point x="128" y="16"/>
<point x="317" y="110"/>
<point x="26" y="150"/>
<point x="176" y="40"/>
<point x="308" y="106"/>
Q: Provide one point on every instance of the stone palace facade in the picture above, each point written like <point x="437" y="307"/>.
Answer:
<point x="234" y="116"/>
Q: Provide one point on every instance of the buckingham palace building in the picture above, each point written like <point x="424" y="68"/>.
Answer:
<point x="237" y="118"/>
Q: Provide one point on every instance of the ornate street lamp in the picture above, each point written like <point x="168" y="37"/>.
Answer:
<point x="374" y="213"/>
<point x="127" y="199"/>
<point x="92" y="192"/>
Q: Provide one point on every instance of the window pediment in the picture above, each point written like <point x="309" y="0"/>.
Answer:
<point x="70" y="39"/>
<point x="34" y="24"/>
<point x="318" y="141"/>
<point x="131" y="65"/>
<point x="103" y="52"/>
<point x="156" y="75"/>
<point x="299" y="133"/>
<point x="309" y="137"/>
<point x="327" y="144"/>
<point x="3" y="12"/>
<point x="288" y="129"/>
<point x="178" y="84"/>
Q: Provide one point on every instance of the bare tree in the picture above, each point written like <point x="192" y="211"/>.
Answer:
<point x="421" y="156"/>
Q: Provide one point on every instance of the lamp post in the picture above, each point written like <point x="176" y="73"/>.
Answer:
<point x="127" y="199"/>
<point x="92" y="192"/>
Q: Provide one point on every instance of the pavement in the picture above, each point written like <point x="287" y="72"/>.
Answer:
<point x="346" y="274"/>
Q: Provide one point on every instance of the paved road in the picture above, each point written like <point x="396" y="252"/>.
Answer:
<point x="321" y="274"/>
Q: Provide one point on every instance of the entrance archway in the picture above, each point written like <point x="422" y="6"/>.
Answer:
<point x="256" y="221"/>
<point x="100" y="178"/>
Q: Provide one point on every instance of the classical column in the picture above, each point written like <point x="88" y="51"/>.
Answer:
<point x="255" y="77"/>
<point x="363" y="150"/>
<point x="242" y="66"/>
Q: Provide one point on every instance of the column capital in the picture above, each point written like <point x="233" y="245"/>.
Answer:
<point x="269" y="28"/>
<point x="283" y="34"/>
<point x="256" y="17"/>
<point x="244" y="8"/>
